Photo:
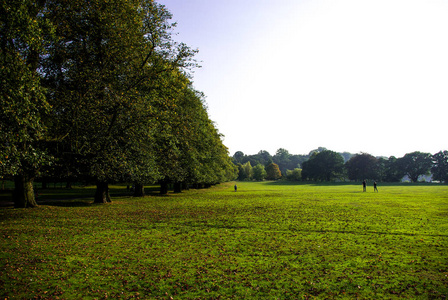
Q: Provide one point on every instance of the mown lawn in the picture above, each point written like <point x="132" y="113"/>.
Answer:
<point x="265" y="241"/>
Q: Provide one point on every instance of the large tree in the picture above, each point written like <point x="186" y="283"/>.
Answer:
<point x="238" y="157"/>
<point x="101" y="74"/>
<point x="189" y="149"/>
<point x="114" y="90"/>
<point x="245" y="171"/>
<point x="440" y="166"/>
<point x="264" y="157"/>
<point x="415" y="164"/>
<point x="389" y="169"/>
<point x="259" y="172"/>
<point x="273" y="172"/>
<point x="362" y="166"/>
<point x="23" y="28"/>
<point x="323" y="166"/>
<point x="282" y="159"/>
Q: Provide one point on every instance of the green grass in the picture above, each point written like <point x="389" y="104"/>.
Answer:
<point x="266" y="241"/>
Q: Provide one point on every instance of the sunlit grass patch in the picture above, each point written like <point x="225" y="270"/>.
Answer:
<point x="267" y="240"/>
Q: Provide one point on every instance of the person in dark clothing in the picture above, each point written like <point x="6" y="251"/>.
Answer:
<point x="374" y="187"/>
<point x="235" y="187"/>
<point x="364" y="184"/>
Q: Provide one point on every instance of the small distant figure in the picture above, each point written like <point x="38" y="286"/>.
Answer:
<point x="364" y="184"/>
<point x="235" y="187"/>
<point x="374" y="187"/>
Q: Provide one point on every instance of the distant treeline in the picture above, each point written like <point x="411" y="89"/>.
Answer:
<point x="325" y="165"/>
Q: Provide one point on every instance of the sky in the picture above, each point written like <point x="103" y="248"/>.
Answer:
<point x="349" y="75"/>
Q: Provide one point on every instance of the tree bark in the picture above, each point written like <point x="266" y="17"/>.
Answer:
<point x="163" y="187"/>
<point x="414" y="177"/>
<point x="177" y="187"/>
<point x="23" y="194"/>
<point x="139" y="190"/>
<point x="102" y="193"/>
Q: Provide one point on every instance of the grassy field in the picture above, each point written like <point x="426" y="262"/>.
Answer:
<point x="266" y="241"/>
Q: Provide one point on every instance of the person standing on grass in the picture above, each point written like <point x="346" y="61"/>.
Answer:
<point x="364" y="184"/>
<point x="235" y="187"/>
<point x="374" y="187"/>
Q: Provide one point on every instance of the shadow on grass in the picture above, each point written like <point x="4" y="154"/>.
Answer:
<point x="67" y="203"/>
<point x="75" y="201"/>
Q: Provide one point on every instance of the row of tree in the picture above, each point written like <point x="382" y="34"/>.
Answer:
<point x="325" y="165"/>
<point x="282" y="158"/>
<point x="99" y="92"/>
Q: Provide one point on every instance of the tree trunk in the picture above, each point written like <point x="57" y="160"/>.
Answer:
<point x="163" y="187"/>
<point x="177" y="187"/>
<point x="102" y="193"/>
<point x="139" y="190"/>
<point x="414" y="177"/>
<point x="23" y="194"/>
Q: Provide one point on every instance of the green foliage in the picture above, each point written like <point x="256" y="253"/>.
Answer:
<point x="245" y="171"/>
<point x="440" y="166"/>
<point x="259" y="172"/>
<point x="96" y="71"/>
<point x="323" y="166"/>
<point x="22" y="102"/>
<point x="287" y="161"/>
<point x="389" y="169"/>
<point x="271" y="241"/>
<point x="238" y="157"/>
<point x="105" y="91"/>
<point x="294" y="175"/>
<point x="23" y="29"/>
<point x="262" y="157"/>
<point x="415" y="164"/>
<point x="273" y="172"/>
<point x="282" y="159"/>
<point x="362" y="166"/>
<point x="357" y="167"/>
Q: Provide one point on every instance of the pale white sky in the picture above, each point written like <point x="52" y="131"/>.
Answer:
<point x="349" y="75"/>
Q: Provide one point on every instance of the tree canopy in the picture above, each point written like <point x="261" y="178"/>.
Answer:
<point x="357" y="167"/>
<point x="415" y="164"/>
<point x="323" y="166"/>
<point x="273" y="172"/>
<point x="440" y="166"/>
<point x="23" y="32"/>
<point x="101" y="92"/>
<point x="362" y="166"/>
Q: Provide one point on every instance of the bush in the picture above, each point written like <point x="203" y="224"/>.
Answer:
<point x="294" y="175"/>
